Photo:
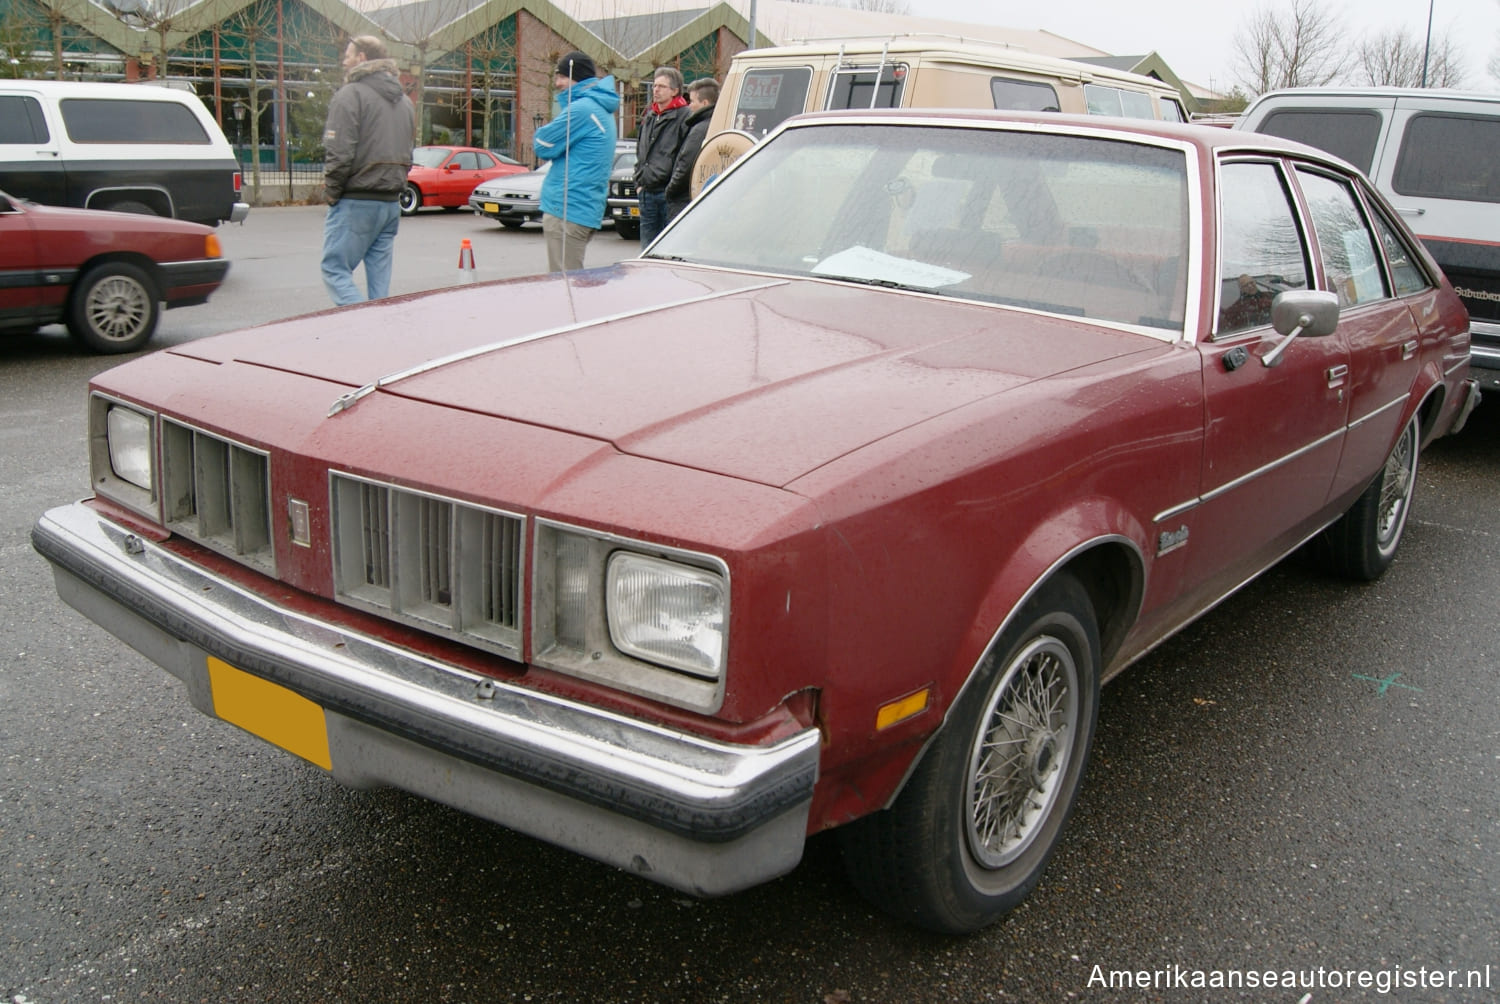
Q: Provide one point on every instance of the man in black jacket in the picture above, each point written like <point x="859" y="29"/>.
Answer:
<point x="368" y="140"/>
<point x="702" y="94"/>
<point x="656" y="149"/>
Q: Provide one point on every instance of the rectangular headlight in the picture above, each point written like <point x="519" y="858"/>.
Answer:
<point x="671" y="614"/>
<point x="129" y="436"/>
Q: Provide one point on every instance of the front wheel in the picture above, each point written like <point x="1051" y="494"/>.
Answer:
<point x="968" y="838"/>
<point x="113" y="308"/>
<point x="410" y="199"/>
<point x="1362" y="544"/>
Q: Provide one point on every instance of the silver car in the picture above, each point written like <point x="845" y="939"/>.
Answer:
<point x="515" y="200"/>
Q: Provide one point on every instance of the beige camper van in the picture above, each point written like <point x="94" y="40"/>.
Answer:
<point x="764" y="87"/>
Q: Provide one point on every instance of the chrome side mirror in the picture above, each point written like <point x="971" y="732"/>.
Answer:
<point x="1310" y="312"/>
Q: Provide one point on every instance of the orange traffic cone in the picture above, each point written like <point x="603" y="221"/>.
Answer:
<point x="466" y="260"/>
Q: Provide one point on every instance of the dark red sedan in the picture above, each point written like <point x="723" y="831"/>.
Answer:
<point x="104" y="274"/>
<point x="833" y="511"/>
<point x="445" y="175"/>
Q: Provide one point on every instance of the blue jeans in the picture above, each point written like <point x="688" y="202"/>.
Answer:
<point x="654" y="217"/>
<point x="358" y="230"/>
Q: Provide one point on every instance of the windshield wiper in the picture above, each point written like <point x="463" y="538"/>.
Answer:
<point x="882" y="283"/>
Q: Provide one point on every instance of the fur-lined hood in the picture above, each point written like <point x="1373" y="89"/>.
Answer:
<point x="369" y="72"/>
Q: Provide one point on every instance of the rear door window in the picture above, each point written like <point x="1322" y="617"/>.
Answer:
<point x="21" y="120"/>
<point x="769" y="97"/>
<point x="1351" y="261"/>
<point x="1350" y="133"/>
<point x="114" y="120"/>
<point x="1024" y="95"/>
<point x="1449" y="157"/>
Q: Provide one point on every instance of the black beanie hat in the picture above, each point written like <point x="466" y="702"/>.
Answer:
<point x="576" y="66"/>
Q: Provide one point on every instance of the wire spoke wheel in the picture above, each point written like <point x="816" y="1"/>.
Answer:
<point x="1021" y="755"/>
<point x="1396" y="489"/>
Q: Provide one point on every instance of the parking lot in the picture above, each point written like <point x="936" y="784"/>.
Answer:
<point x="1306" y="781"/>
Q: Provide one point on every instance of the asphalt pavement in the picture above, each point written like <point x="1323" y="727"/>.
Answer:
<point x="1305" y="783"/>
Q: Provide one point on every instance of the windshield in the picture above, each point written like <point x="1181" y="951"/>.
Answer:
<point x="429" y="156"/>
<point x="1085" y="226"/>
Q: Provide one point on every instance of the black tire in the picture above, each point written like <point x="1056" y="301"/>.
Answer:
<point x="1362" y="544"/>
<point x="410" y="199"/>
<point x="113" y="308"/>
<point x="968" y="838"/>
<point x="513" y="224"/>
<point x="132" y="206"/>
<point x="628" y="231"/>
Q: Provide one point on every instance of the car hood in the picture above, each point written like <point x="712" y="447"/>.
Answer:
<point x="528" y="182"/>
<point x="756" y="377"/>
<point x="99" y="220"/>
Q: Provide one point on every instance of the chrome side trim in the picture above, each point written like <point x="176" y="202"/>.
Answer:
<point x="1395" y="403"/>
<point x="1266" y="468"/>
<point x="354" y="396"/>
<point x="1176" y="510"/>
<point x="617" y="770"/>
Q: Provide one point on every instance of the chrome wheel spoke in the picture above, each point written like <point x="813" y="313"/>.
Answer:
<point x="1019" y="757"/>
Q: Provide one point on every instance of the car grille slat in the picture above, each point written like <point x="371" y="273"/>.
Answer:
<point x="218" y="493"/>
<point x="444" y="565"/>
<point x="375" y="535"/>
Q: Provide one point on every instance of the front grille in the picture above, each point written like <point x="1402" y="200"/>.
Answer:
<point x="443" y="565"/>
<point x="623" y="189"/>
<point x="218" y="493"/>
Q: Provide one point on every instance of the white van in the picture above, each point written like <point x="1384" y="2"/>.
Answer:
<point x="132" y="148"/>
<point x="1435" y="154"/>
<point x="765" y="87"/>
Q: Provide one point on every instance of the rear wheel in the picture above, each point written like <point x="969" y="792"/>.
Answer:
<point x="1362" y="544"/>
<point x="131" y="206"/>
<point x="410" y="199"/>
<point x="113" y="308"/>
<point x="968" y="838"/>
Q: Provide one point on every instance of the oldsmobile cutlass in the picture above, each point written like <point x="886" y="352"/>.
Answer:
<point x="785" y="528"/>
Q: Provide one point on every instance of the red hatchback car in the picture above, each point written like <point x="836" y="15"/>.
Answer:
<point x="781" y="529"/>
<point x="104" y="274"/>
<point x="445" y="175"/>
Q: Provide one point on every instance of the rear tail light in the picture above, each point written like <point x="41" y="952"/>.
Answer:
<point x="239" y="181"/>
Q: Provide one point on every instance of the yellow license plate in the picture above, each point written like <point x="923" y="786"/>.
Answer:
<point x="272" y="712"/>
<point x="635" y="210"/>
<point x="492" y="207"/>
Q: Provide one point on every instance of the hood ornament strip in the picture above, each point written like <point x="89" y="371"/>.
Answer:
<point x="352" y="398"/>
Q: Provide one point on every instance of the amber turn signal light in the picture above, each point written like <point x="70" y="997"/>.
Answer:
<point x="901" y="710"/>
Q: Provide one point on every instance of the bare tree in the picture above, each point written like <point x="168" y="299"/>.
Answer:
<point x="1298" y="44"/>
<point x="1395" y="58"/>
<point x="22" y="41"/>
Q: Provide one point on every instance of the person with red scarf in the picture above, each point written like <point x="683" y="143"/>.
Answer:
<point x="656" y="147"/>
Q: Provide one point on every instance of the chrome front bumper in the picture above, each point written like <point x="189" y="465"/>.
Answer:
<point x="698" y="815"/>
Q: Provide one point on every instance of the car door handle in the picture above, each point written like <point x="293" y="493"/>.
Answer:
<point x="1336" y="375"/>
<point x="1412" y="211"/>
<point x="1408" y="349"/>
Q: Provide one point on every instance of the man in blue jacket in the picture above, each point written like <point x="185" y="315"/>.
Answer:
<point x="580" y="143"/>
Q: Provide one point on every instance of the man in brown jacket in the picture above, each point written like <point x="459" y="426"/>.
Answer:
<point x="368" y="143"/>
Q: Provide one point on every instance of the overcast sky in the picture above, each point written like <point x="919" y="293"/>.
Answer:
<point x="1196" y="38"/>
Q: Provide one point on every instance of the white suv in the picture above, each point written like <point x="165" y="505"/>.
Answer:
<point x="1435" y="154"/>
